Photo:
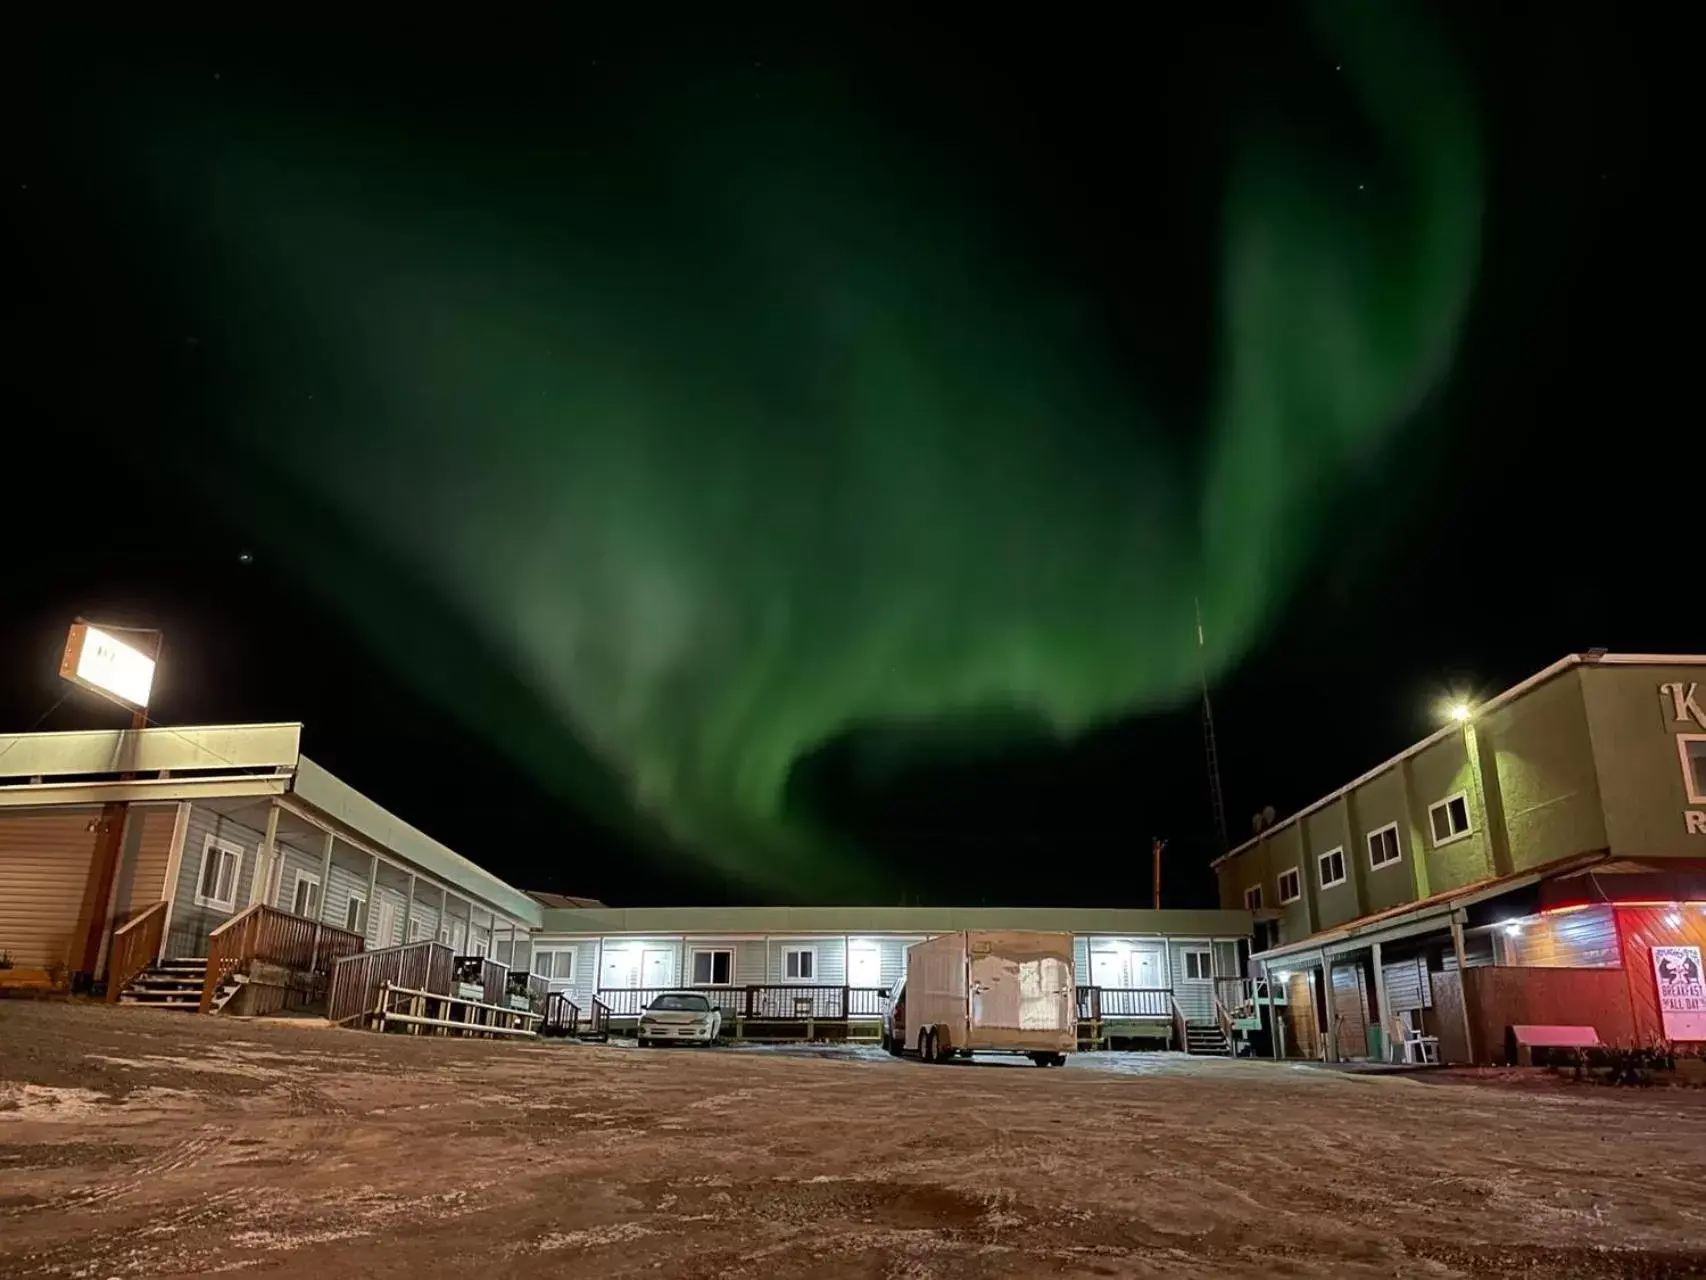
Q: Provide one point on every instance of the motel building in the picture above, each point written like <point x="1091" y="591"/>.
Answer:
<point x="218" y="869"/>
<point x="1534" y="869"/>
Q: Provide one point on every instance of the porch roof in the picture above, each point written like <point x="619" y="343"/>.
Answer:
<point x="712" y="921"/>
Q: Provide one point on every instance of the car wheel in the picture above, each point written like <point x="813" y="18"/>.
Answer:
<point x="642" y="1042"/>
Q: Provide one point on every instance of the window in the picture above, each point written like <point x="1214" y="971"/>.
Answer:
<point x="1450" y="818"/>
<point x="713" y="967"/>
<point x="355" y="914"/>
<point x="305" y="897"/>
<point x="799" y="964"/>
<point x="1692" y="748"/>
<point x="1199" y="966"/>
<point x="1290" y="885"/>
<point x="418" y="930"/>
<point x="555" y="966"/>
<point x="1332" y="868"/>
<point x="221" y="865"/>
<point x="444" y="934"/>
<point x="1383" y="847"/>
<point x="1253" y="898"/>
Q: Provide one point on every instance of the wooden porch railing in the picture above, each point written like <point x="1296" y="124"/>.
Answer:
<point x="494" y="980"/>
<point x="1234" y="993"/>
<point x="1180" y="1039"/>
<point x="1135" y="1002"/>
<point x="562" y="1016"/>
<point x="135" y="945"/>
<point x="267" y="935"/>
<point x="356" y="980"/>
<point x="760" y="1001"/>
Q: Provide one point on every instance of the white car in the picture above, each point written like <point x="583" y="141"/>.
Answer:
<point x="680" y="1017"/>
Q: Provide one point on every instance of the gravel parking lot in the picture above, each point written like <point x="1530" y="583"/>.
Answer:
<point x="135" y="1142"/>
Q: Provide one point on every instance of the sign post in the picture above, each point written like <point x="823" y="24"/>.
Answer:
<point x="117" y="663"/>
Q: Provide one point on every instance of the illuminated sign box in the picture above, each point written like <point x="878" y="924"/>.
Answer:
<point x="102" y="663"/>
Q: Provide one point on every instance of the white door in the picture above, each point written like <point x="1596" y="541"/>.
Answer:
<point x="1107" y="970"/>
<point x="458" y="935"/>
<point x="618" y="972"/>
<point x="387" y="933"/>
<point x="654" y="968"/>
<point x="864" y="965"/>
<point x="1146" y="971"/>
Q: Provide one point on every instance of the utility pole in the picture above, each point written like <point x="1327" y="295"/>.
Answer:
<point x="1213" y="756"/>
<point x="1156" y="847"/>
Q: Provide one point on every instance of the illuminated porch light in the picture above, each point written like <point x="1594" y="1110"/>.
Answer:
<point x="1458" y="711"/>
<point x="1513" y="927"/>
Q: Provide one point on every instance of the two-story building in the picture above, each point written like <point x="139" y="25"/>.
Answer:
<point x="1539" y="860"/>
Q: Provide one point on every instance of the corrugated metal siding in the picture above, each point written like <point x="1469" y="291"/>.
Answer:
<point x="1585" y="939"/>
<point x="144" y="873"/>
<point x="1407" y="984"/>
<point x="1477" y="950"/>
<point x="44" y="864"/>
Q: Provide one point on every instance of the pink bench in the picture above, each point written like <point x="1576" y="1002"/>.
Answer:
<point x="1522" y="1041"/>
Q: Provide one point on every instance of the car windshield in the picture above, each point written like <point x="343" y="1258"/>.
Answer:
<point x="681" y="1004"/>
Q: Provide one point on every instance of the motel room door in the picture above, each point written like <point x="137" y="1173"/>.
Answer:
<point x="1107" y="970"/>
<point x="655" y="969"/>
<point x="1146" y="970"/>
<point x="619" y="971"/>
<point x="864" y="965"/>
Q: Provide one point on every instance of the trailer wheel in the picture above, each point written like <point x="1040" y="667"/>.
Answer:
<point x="1041" y="1059"/>
<point x="1059" y="1060"/>
<point x="926" y="1046"/>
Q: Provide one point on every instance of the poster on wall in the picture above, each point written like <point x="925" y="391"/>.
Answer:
<point x="1682" y="992"/>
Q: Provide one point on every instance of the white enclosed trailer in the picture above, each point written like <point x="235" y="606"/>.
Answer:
<point x="991" y="991"/>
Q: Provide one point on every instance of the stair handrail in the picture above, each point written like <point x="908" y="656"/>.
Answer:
<point x="1180" y="1032"/>
<point x="1223" y="1016"/>
<point x="135" y="946"/>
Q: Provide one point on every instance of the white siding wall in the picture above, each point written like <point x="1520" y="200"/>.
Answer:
<point x="296" y="859"/>
<point x="191" y="923"/>
<point x="1195" y="998"/>
<point x="345" y="884"/>
<point x="831" y="961"/>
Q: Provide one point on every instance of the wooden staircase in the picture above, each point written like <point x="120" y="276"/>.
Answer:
<point x="1206" y="1038"/>
<point x="175" y="984"/>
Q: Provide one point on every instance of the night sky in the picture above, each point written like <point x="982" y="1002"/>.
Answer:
<point x="745" y="463"/>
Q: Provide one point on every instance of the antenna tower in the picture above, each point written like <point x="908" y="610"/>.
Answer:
<point x="1213" y="756"/>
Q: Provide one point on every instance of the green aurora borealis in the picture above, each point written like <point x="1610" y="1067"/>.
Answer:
<point x="731" y="429"/>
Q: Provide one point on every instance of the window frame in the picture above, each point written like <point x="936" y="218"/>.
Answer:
<point x="1253" y="891"/>
<point x="1296" y="874"/>
<point x="693" y="954"/>
<point x="573" y="953"/>
<point x="1693" y="774"/>
<point x="789" y="952"/>
<point x="318" y="893"/>
<point x="418" y="931"/>
<point x="1321" y="867"/>
<point x="238" y="853"/>
<point x="1205" y="966"/>
<point x="356" y="899"/>
<point x="1445" y="804"/>
<point x="1397" y="847"/>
